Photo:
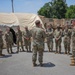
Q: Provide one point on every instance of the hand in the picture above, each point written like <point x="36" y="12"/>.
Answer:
<point x="26" y="38"/>
<point x="46" y="33"/>
<point x="56" y="39"/>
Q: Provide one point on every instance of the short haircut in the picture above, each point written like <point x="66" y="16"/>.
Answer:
<point x="37" y="22"/>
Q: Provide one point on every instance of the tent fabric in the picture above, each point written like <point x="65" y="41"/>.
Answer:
<point x="28" y="20"/>
<point x="8" y="19"/>
<point x="21" y="19"/>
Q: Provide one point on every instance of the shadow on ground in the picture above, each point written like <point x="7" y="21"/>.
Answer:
<point x="48" y="51"/>
<point x="49" y="64"/>
<point x="66" y="54"/>
<point x="6" y="56"/>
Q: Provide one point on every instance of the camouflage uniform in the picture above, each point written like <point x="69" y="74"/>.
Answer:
<point x="67" y="40"/>
<point x="1" y="43"/>
<point x="38" y="44"/>
<point x="50" y="39"/>
<point x="58" y="40"/>
<point x="27" y="40"/>
<point x="73" y="42"/>
<point x="9" y="41"/>
<point x="45" y="35"/>
<point x="19" y="40"/>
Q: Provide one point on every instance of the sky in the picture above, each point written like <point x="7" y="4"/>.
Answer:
<point x="26" y="6"/>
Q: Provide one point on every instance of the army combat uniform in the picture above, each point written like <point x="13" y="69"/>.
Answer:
<point x="1" y="43"/>
<point x="9" y="41"/>
<point x="73" y="42"/>
<point x="67" y="40"/>
<point x="49" y="39"/>
<point x="58" y="40"/>
<point x="38" y="44"/>
<point x="27" y="40"/>
<point x="19" y="40"/>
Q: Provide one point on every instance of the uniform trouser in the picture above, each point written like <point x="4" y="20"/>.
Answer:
<point x="67" y="46"/>
<point x="58" y="45"/>
<point x="9" y="47"/>
<point x="37" y="49"/>
<point x="27" y="44"/>
<point x="73" y="53"/>
<point x="73" y="49"/>
<point x="50" y="45"/>
<point x="21" y="44"/>
<point x="1" y="47"/>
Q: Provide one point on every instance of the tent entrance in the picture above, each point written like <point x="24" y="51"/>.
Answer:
<point x="14" y="35"/>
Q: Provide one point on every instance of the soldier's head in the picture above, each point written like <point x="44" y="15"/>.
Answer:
<point x="8" y="29"/>
<point x="49" y="26"/>
<point x="67" y="23"/>
<point x="73" y="22"/>
<point x="18" y="28"/>
<point x="58" y="25"/>
<point x="37" y="22"/>
<point x="66" y="26"/>
<point x="26" y="28"/>
<point x="45" y="25"/>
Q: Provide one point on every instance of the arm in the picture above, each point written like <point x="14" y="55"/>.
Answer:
<point x="43" y="34"/>
<point x="60" y="35"/>
<point x="50" y="33"/>
<point x="5" y="37"/>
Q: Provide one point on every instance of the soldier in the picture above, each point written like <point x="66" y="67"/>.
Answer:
<point x="1" y="43"/>
<point x="27" y="39"/>
<point x="73" y="44"/>
<point x="49" y="33"/>
<point x="73" y="39"/>
<point x="9" y="40"/>
<point x="38" y="43"/>
<point x="67" y="39"/>
<point x="19" y="39"/>
<point x="58" y="40"/>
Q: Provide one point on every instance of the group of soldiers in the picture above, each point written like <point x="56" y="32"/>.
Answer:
<point x="19" y="35"/>
<point x="39" y="34"/>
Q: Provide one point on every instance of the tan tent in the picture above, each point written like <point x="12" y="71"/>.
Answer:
<point x="21" y="19"/>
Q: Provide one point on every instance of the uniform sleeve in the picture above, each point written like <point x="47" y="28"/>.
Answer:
<point x="16" y="34"/>
<point x="43" y="34"/>
<point x="23" y="34"/>
<point x="54" y="34"/>
<point x="70" y="32"/>
<point x="30" y="33"/>
<point x="5" y="36"/>
<point x="73" y="33"/>
<point x="11" y="36"/>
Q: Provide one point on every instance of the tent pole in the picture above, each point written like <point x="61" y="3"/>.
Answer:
<point x="12" y="6"/>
